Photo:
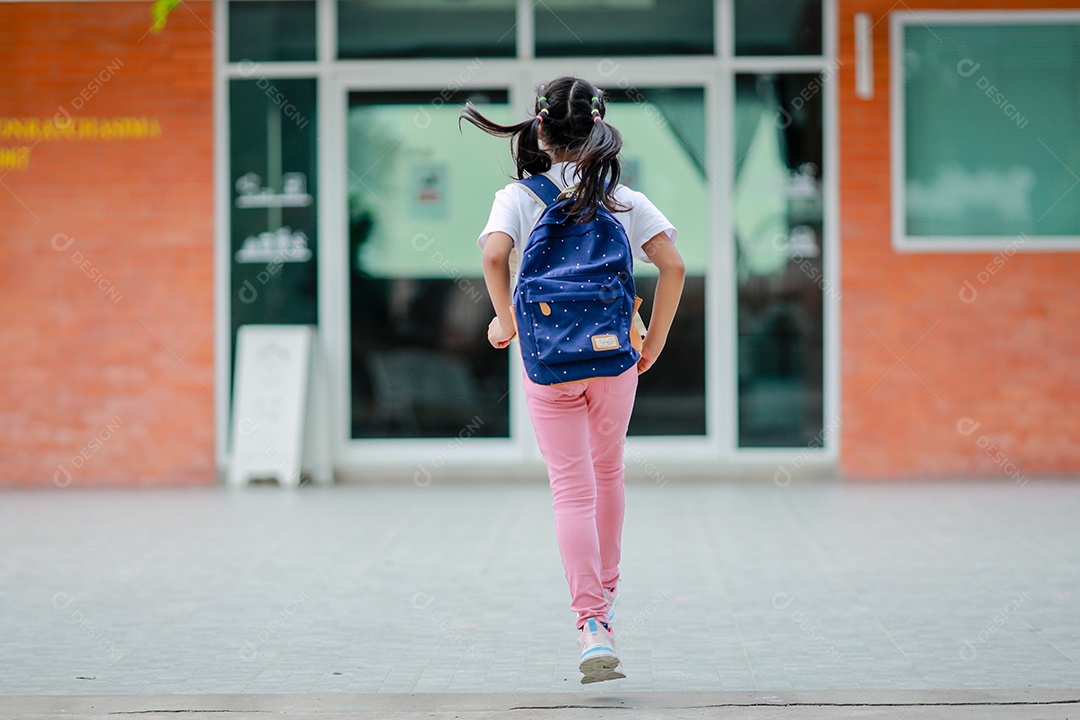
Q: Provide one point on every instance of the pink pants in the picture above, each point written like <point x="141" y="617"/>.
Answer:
<point x="581" y="429"/>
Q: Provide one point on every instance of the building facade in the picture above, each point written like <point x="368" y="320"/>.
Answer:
<point x="877" y="208"/>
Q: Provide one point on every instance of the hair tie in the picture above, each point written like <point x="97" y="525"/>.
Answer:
<point x="542" y="98"/>
<point x="595" y="111"/>
<point x="544" y="111"/>
<point x="540" y="118"/>
<point x="596" y="119"/>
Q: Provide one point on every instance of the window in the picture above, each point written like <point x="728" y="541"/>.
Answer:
<point x="419" y="193"/>
<point x="663" y="156"/>
<point x="425" y="29"/>
<point x="986" y="144"/>
<point x="274" y="225"/>
<point x="778" y="27"/>
<point x="273" y="30"/>
<point x="779" y="259"/>
<point x="660" y="27"/>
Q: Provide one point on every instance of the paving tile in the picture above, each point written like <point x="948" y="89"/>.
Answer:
<point x="734" y="586"/>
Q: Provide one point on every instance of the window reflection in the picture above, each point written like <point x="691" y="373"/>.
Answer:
<point x="419" y="194"/>
<point x="778" y="232"/>
<point x="664" y="157"/>
<point x="274" y="233"/>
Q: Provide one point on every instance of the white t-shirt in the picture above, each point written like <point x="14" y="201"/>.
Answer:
<point x="515" y="212"/>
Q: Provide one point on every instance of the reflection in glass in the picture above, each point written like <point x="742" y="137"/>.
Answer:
<point x="778" y="232"/>
<point x="658" y="27"/>
<point x="274" y="227"/>
<point x="663" y="156"/>
<point x="778" y="27"/>
<point x="969" y="88"/>
<point x="384" y="29"/>
<point x="271" y="30"/>
<point x="419" y="194"/>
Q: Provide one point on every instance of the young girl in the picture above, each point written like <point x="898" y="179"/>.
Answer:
<point x="580" y="426"/>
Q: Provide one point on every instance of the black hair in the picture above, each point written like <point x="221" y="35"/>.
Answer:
<point x="570" y="112"/>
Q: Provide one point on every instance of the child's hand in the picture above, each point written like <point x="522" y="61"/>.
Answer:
<point x="649" y="353"/>
<point x="498" y="334"/>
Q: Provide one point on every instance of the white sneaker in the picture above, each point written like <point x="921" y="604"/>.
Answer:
<point x="598" y="659"/>
<point x="612" y="599"/>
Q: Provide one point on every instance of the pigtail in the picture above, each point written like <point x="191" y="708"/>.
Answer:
<point x="529" y="159"/>
<point x="570" y="112"/>
<point x="598" y="165"/>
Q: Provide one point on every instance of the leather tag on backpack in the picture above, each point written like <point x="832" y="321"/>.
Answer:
<point x="605" y="342"/>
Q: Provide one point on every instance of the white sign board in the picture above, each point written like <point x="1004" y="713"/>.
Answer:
<point x="279" y="407"/>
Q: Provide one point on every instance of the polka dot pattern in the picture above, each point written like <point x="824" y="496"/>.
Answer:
<point x="584" y="272"/>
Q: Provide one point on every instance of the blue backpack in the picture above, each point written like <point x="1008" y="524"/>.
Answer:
<point x="574" y="302"/>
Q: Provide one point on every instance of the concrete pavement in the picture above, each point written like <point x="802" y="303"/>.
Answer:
<point x="731" y="590"/>
<point x="886" y="705"/>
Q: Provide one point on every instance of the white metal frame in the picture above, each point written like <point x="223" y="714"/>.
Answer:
<point x="519" y="75"/>
<point x="901" y="241"/>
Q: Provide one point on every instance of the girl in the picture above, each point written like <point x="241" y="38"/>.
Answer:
<point x="580" y="426"/>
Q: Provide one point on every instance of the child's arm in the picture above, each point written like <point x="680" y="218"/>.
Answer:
<point x="669" y="287"/>
<point x="496" y="260"/>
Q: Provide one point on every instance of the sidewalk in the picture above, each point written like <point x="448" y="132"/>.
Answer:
<point x="896" y="705"/>
<point x="734" y="590"/>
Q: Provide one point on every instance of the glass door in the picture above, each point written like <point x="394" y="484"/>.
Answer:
<point x="418" y="194"/>
<point x="778" y="217"/>
<point x="664" y="157"/>
<point x="743" y="181"/>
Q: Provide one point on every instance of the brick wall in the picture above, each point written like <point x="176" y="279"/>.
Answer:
<point x="106" y="313"/>
<point x="1008" y="361"/>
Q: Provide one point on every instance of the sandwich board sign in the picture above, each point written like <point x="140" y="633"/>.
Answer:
<point x="280" y="407"/>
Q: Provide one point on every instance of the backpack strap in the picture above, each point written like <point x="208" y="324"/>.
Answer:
<point x="542" y="188"/>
